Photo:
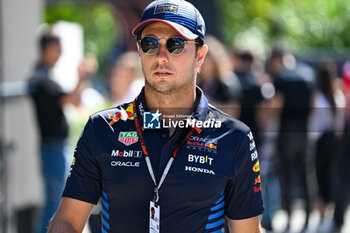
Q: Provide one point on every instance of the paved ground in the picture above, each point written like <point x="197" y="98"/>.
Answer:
<point x="280" y="221"/>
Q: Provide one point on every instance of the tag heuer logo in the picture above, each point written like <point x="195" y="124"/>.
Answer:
<point x="128" y="138"/>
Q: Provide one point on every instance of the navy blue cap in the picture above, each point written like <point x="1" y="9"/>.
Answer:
<point x="181" y="15"/>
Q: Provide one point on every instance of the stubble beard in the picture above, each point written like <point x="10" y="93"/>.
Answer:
<point x="175" y="87"/>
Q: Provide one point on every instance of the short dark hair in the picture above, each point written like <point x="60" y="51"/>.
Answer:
<point x="47" y="39"/>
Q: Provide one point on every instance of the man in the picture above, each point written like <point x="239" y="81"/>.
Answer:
<point x="192" y="176"/>
<point x="49" y="99"/>
<point x="294" y="83"/>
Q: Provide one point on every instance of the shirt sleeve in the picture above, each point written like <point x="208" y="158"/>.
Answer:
<point x="52" y="90"/>
<point x="84" y="180"/>
<point x="243" y="191"/>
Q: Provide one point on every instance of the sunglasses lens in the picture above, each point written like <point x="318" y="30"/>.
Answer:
<point x="149" y="45"/>
<point x="175" y="45"/>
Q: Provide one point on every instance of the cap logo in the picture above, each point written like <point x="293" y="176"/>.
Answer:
<point x="166" y="8"/>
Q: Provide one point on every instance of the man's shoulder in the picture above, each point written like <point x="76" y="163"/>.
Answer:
<point x="112" y="115"/>
<point x="41" y="80"/>
<point x="228" y="122"/>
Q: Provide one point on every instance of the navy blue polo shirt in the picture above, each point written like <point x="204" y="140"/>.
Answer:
<point x="215" y="172"/>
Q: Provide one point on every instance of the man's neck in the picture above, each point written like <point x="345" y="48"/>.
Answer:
<point x="45" y="63"/>
<point x="181" y="102"/>
<point x="174" y="106"/>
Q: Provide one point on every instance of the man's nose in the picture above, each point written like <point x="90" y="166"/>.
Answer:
<point x="162" y="53"/>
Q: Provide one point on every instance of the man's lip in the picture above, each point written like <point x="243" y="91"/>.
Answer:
<point x="162" y="72"/>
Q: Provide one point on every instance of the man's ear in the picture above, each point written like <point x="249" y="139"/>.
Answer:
<point x="201" y="53"/>
<point x="138" y="48"/>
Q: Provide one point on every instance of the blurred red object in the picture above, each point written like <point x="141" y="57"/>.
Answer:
<point x="346" y="77"/>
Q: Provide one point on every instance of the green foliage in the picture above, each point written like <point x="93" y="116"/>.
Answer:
<point x="97" y="20"/>
<point x="298" y="24"/>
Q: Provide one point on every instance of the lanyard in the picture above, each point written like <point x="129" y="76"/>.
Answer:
<point x="147" y="159"/>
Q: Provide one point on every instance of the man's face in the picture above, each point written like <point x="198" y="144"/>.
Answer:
<point x="166" y="73"/>
<point x="51" y="53"/>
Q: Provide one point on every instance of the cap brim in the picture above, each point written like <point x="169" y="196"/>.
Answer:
<point x="183" y="31"/>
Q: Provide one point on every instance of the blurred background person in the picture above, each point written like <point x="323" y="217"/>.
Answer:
<point x="251" y="96"/>
<point x="217" y="80"/>
<point x="267" y="120"/>
<point x="49" y="99"/>
<point x="294" y="86"/>
<point x="126" y="79"/>
<point x="326" y="126"/>
<point x="342" y="197"/>
<point x="91" y="101"/>
<point x="257" y="111"/>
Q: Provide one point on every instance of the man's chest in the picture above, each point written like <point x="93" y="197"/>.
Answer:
<point x="199" y="170"/>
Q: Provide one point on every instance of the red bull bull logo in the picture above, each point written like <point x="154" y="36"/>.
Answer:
<point x="258" y="180"/>
<point x="211" y="145"/>
<point x="127" y="114"/>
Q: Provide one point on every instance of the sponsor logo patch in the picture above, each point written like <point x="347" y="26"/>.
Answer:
<point x="254" y="155"/>
<point x="256" y="167"/>
<point x="202" y="144"/>
<point x="142" y="111"/>
<point x="126" y="153"/>
<point x="200" y="159"/>
<point x="257" y="189"/>
<point x="200" y="170"/>
<point x="210" y="145"/>
<point x="258" y="180"/>
<point x="128" y="138"/>
<point x="250" y="136"/>
<point x="122" y="114"/>
<point x="73" y="163"/>
<point x="166" y="8"/>
<point x="252" y="147"/>
<point x="125" y="164"/>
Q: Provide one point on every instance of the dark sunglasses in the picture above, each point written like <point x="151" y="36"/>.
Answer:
<point x="175" y="45"/>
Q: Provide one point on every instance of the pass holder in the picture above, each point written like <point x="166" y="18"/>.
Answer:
<point x="154" y="217"/>
<point x="154" y="209"/>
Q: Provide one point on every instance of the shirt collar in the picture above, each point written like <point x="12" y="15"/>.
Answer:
<point x="200" y="113"/>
